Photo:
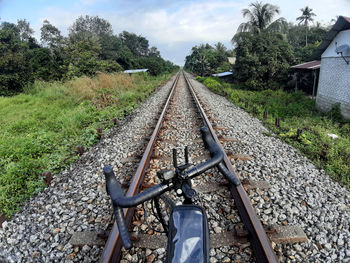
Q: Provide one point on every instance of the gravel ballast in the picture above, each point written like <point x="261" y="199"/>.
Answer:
<point x="182" y="128"/>
<point x="300" y="193"/>
<point x="76" y="199"/>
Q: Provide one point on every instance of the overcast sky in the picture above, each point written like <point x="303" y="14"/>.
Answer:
<point x="174" y="27"/>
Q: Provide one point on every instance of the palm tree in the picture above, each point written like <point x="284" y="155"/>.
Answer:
<point x="260" y="18"/>
<point x="305" y="18"/>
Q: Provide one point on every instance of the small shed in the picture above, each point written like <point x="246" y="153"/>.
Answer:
<point x="132" y="71"/>
<point x="334" y="80"/>
<point x="227" y="76"/>
<point x="308" y="67"/>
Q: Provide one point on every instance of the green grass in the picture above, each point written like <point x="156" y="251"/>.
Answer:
<point x="297" y="111"/>
<point x="41" y="128"/>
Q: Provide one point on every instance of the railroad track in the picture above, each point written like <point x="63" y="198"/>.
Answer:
<point x="233" y="224"/>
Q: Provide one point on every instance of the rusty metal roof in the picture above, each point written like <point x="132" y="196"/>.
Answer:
<point x="315" y="64"/>
<point x="343" y="23"/>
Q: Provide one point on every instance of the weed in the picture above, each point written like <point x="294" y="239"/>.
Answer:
<point x="297" y="111"/>
<point x="41" y="128"/>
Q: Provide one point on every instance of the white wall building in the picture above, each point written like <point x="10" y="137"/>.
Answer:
<point x="334" y="80"/>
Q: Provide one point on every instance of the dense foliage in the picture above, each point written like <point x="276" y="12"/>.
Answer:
<point x="260" y="18"/>
<point x="90" y="47"/>
<point x="265" y="49"/>
<point x="263" y="60"/>
<point x="41" y="128"/>
<point x="297" y="111"/>
<point x="205" y="59"/>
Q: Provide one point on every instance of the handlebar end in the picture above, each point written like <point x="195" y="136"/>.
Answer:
<point x="108" y="170"/>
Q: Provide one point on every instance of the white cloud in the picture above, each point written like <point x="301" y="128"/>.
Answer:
<point x="171" y="25"/>
<point x="206" y="21"/>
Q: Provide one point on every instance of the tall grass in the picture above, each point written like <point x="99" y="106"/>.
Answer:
<point x="297" y="111"/>
<point x="41" y="128"/>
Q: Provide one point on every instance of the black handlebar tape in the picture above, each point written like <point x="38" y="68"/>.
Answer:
<point x="213" y="148"/>
<point x="123" y="230"/>
<point x="215" y="152"/>
<point x="146" y="195"/>
<point x="232" y="178"/>
<point x="115" y="191"/>
<point x="209" y="142"/>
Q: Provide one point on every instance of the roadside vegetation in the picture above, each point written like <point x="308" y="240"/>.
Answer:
<point x="58" y="91"/>
<point x="296" y="111"/>
<point x="90" y="47"/>
<point x="41" y="128"/>
<point x="265" y="47"/>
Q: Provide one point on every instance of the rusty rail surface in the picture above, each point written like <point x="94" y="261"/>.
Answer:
<point x="260" y="242"/>
<point x="111" y="252"/>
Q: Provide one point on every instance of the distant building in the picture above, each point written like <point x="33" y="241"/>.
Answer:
<point x="302" y="74"/>
<point x="334" y="80"/>
<point x="227" y="76"/>
<point x="132" y="71"/>
<point x="231" y="60"/>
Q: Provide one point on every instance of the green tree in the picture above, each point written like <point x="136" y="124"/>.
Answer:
<point x="111" y="47"/>
<point x="25" y="31"/>
<point x="51" y="35"/>
<point x="91" y="47"/>
<point x="153" y="51"/>
<point x="260" y="18"/>
<point x="83" y="58"/>
<point x="305" y="19"/>
<point x="138" y="45"/>
<point x="14" y="65"/>
<point x="206" y="59"/>
<point x="263" y="60"/>
<point x="41" y="63"/>
<point x="87" y="27"/>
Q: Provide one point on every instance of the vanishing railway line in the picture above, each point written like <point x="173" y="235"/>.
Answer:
<point x="307" y="213"/>
<point x="178" y="126"/>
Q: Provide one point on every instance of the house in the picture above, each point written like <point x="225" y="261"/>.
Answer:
<point x="334" y="79"/>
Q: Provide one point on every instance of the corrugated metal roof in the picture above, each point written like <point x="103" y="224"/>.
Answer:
<point x="222" y="74"/>
<point x="130" y="71"/>
<point x="315" y="64"/>
<point x="343" y="23"/>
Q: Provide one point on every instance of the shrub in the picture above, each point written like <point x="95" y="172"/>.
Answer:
<point x="213" y="84"/>
<point x="40" y="130"/>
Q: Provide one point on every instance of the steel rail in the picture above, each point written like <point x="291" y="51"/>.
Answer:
<point x="111" y="252"/>
<point x="260" y="242"/>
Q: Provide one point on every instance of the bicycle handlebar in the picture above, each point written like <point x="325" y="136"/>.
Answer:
<point x="119" y="201"/>
<point x="115" y="191"/>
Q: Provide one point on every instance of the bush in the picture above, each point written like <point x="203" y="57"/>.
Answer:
<point x="40" y="130"/>
<point x="262" y="60"/>
<point x="109" y="66"/>
<point x="335" y="113"/>
<point x="213" y="84"/>
<point x="297" y="111"/>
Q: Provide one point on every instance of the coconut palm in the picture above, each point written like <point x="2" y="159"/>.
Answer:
<point x="305" y="18"/>
<point x="260" y="18"/>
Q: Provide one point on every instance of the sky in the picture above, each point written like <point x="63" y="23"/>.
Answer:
<point x="174" y="27"/>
